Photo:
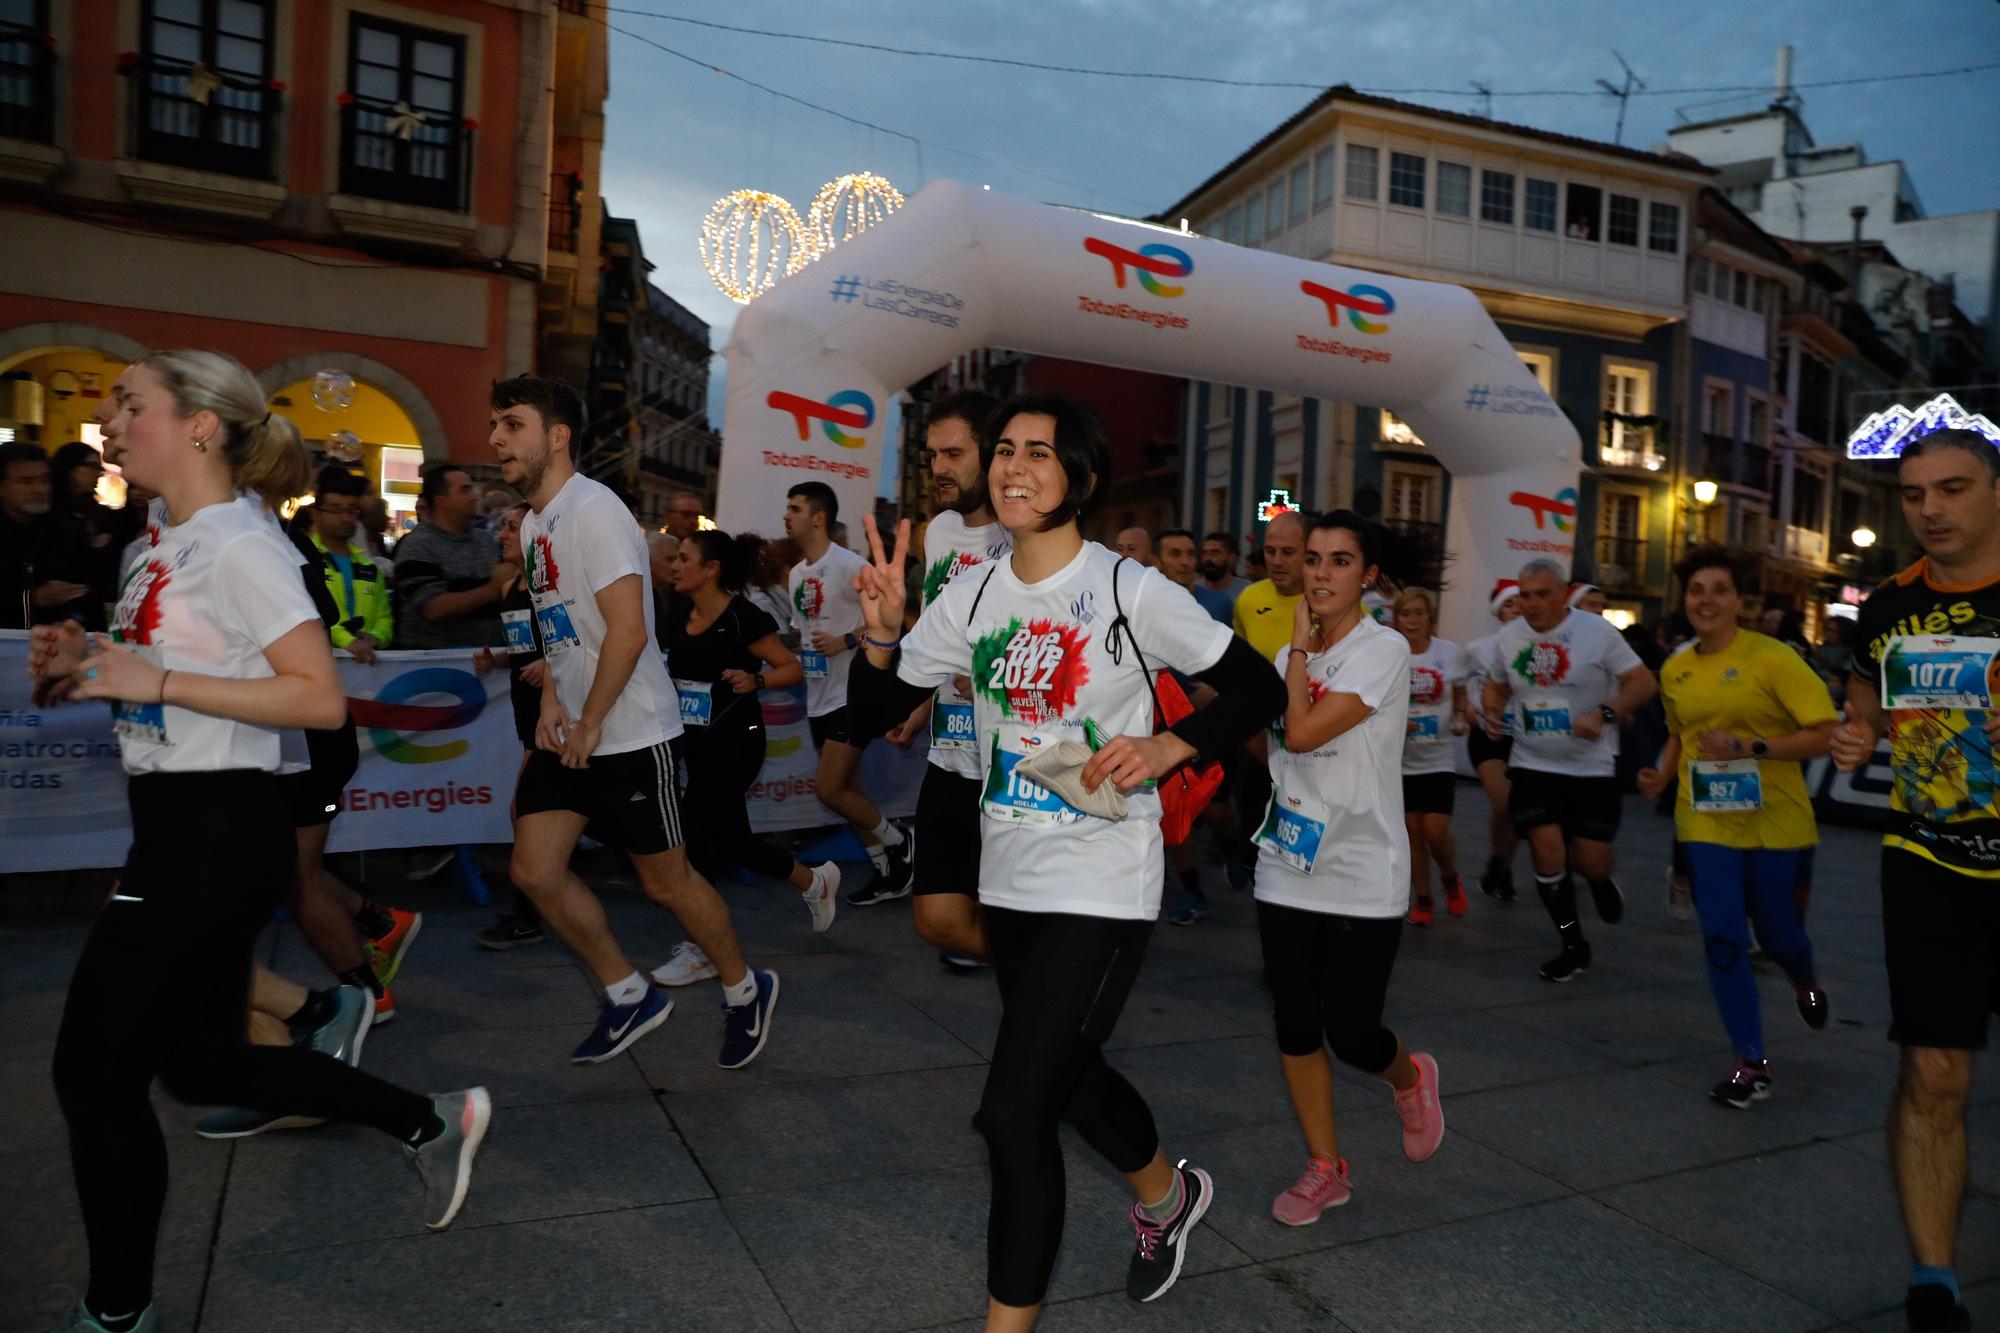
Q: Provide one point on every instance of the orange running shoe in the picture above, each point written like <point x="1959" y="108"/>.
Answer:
<point x="1454" y="896"/>
<point x="1421" y="914"/>
<point x="387" y="949"/>
<point x="385" y="1006"/>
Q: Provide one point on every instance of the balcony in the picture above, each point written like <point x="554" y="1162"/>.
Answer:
<point x="189" y="116"/>
<point x="565" y="206"/>
<point x="1621" y="565"/>
<point x="27" y="84"/>
<point x="1732" y="462"/>
<point x="390" y="152"/>
<point x="1622" y="443"/>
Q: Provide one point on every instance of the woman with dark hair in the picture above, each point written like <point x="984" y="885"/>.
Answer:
<point x="1060" y="640"/>
<point x="1743" y="711"/>
<point x="1333" y="872"/>
<point x="722" y="649"/>
<point x="76" y="552"/>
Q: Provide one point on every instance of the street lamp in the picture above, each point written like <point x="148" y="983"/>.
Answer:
<point x="1863" y="536"/>
<point x="1704" y="492"/>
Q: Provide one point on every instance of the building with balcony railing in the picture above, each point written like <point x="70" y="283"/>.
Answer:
<point x="350" y="185"/>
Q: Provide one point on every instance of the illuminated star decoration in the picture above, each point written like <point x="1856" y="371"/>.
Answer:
<point x="1276" y="503"/>
<point x="1888" y="432"/>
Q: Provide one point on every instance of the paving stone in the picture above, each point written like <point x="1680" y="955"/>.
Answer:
<point x="524" y="1066"/>
<point x="1260" y="1299"/>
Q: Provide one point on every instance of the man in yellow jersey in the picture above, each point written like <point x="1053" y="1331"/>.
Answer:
<point x="1264" y="610"/>
<point x="1925" y="644"/>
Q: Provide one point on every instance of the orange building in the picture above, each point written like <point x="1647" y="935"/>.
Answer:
<point x="354" y="185"/>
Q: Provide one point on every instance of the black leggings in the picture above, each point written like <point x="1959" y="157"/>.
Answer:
<point x="162" y="990"/>
<point x="1063" y="980"/>
<point x="720" y="769"/>
<point x="1328" y="977"/>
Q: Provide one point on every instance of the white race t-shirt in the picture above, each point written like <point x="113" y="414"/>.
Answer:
<point x="1557" y="677"/>
<point x="1428" y="745"/>
<point x="1356" y="862"/>
<point x="581" y="543"/>
<point x="824" y="601"/>
<point x="1040" y="669"/>
<point x="950" y="549"/>
<point x="210" y="596"/>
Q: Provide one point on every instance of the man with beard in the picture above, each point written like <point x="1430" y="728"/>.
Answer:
<point x="1218" y="565"/>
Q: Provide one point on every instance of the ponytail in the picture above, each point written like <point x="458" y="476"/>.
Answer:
<point x="739" y="559"/>
<point x="263" y="450"/>
<point x="1403" y="557"/>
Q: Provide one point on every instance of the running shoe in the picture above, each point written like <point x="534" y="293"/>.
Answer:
<point x="1609" y="900"/>
<point x="342" y="1035"/>
<point x="745" y="1026"/>
<point x="1240" y="875"/>
<point x="1750" y="1082"/>
<point x="619" y="1025"/>
<point x="1497" y="881"/>
<point x="1320" y="1188"/>
<point x="887" y="884"/>
<point x="1813" y="1005"/>
<point x="1420" y="913"/>
<point x="388" y="948"/>
<point x="823" y="895"/>
<point x="1454" y="896"/>
<point x="385" y="1007"/>
<point x="445" y="1161"/>
<point x="510" y="932"/>
<point x="961" y="963"/>
<point x="686" y="965"/>
<point x="423" y="862"/>
<point x="1680" y="897"/>
<point x="80" y="1320"/>
<point x="1163" y="1245"/>
<point x="1187" y="910"/>
<point x="1567" y="964"/>
<point x="238" y="1122"/>
<point x="1420" y="1111"/>
<point x="1929" y="1308"/>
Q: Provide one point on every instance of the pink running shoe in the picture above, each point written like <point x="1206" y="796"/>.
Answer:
<point x="1421" y="1112"/>
<point x="1320" y="1188"/>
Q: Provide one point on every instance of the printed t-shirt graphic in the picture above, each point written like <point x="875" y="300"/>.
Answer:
<point x="824" y="601"/>
<point x="1041" y="670"/>
<point x="582" y="542"/>
<point x="952" y="550"/>
<point x="1428" y="745"/>
<point x="1945" y="794"/>
<point x="1556" y="677"/>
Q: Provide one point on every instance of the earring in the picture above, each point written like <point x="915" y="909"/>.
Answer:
<point x="200" y="446"/>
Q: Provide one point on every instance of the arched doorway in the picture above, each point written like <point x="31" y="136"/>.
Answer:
<point x="391" y="456"/>
<point x="48" y="396"/>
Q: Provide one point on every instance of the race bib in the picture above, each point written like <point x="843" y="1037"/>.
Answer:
<point x="951" y="727"/>
<point x="1293" y="827"/>
<point x="520" y="633"/>
<point x="814" y="663"/>
<point x="1423" y="725"/>
<point x="1725" y="787"/>
<point x="1939" y="672"/>
<point x="697" y="702"/>
<point x="558" y="635"/>
<point x="1008" y="795"/>
<point x="140" y="722"/>
<point x="1544" y="717"/>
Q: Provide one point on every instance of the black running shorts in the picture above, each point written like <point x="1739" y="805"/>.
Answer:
<point x="1483" y="749"/>
<point x="1586" y="807"/>
<point x="947" y="834"/>
<point x="1941" y="943"/>
<point x="632" y="800"/>
<point x="312" y="796"/>
<point x="1429" y="793"/>
<point x="832" y="726"/>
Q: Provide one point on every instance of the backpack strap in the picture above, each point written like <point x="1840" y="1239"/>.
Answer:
<point x="1122" y="628"/>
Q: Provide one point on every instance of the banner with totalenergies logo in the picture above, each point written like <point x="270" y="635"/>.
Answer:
<point x="813" y="360"/>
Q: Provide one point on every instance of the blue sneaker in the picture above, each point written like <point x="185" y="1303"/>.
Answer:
<point x="1187" y="910"/>
<point x="619" y="1025"/>
<point x="1239" y="875"/>
<point x="745" y="1026"/>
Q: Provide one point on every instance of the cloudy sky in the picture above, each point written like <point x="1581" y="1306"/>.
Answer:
<point x="679" y="135"/>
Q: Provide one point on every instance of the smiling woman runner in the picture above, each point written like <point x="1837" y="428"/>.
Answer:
<point x="215" y="646"/>
<point x="1058" y="640"/>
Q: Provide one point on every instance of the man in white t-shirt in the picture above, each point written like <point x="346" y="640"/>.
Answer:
<point x="604" y="745"/>
<point x="1576" y="680"/>
<point x="826" y="611"/>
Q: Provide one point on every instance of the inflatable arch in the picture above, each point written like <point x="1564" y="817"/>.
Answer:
<point x="813" y="362"/>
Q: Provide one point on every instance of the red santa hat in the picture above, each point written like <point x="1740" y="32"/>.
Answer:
<point x="1502" y="590"/>
<point x="1577" y="592"/>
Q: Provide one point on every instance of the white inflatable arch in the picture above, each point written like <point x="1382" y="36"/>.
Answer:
<point x="813" y="362"/>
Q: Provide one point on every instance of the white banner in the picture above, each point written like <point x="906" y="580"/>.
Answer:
<point x="438" y="762"/>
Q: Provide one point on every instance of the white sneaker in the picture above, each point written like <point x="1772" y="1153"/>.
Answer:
<point x="1680" y="897"/>
<point x="823" y="898"/>
<point x="686" y="965"/>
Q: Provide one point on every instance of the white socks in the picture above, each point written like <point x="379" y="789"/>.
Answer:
<point x="890" y="835"/>
<point x="742" y="993"/>
<point x="629" y="991"/>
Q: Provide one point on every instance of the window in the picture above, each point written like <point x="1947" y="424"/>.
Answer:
<point x="1253" y="219"/>
<point x="1741" y="294"/>
<point x="1808" y="499"/>
<point x="1364" y="170"/>
<point x="1663" y="228"/>
<point x="1301" y="183"/>
<point x="1620" y="514"/>
<point x="1580" y="215"/>
<point x="1274" y="207"/>
<point x="1232" y="226"/>
<point x="1628" y="393"/>
<point x="1454" y="189"/>
<point x="1539" y="209"/>
<point x="1394" y="430"/>
<point x="1406" y="180"/>
<point x="1323" y="177"/>
<point x="1496" y="197"/>
<point x="1543" y="366"/>
<point x="1757" y="286"/>
<point x="1717" y="416"/>
<point x="1700" y="278"/>
<point x="1623" y="224"/>
<point x="401" y="135"/>
<point x="1218" y="508"/>
<point x="225" y="122"/>
<point x="1760" y="422"/>
<point x="1749" y="198"/>
<point x="1408" y="495"/>
<point x="27" y="68"/>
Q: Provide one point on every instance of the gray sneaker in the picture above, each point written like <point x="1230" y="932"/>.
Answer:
<point x="238" y="1122"/>
<point x="78" y="1320"/>
<point x="342" y="1035"/>
<point x="445" y="1162"/>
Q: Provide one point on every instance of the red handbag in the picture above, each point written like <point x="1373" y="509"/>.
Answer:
<point x="1187" y="790"/>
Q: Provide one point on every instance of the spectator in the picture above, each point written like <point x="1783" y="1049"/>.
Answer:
<point x="1135" y="544"/>
<point x="838" y="534"/>
<point x="1254" y="566"/>
<point x="660" y="549"/>
<point x="1788" y="628"/>
<point x="451" y="577"/>
<point x="138" y="500"/>
<point x="494" y="504"/>
<point x="374" y="534"/>
<point x="683" y="519"/>
<point x="359" y="591"/>
<point x="1177" y="562"/>
<point x="1218" y="564"/>
<point x="1833" y="657"/>
<point x="76" y="552"/>
<point x="24" y="506"/>
<point x="766" y="586"/>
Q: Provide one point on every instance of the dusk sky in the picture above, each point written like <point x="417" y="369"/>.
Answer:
<point x="680" y="135"/>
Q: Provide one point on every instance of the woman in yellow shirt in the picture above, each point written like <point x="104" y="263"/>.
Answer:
<point x="1743" y="710"/>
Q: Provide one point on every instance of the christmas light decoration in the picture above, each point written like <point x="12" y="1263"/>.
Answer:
<point x="1276" y="503"/>
<point x="848" y="205"/>
<point x="749" y="240"/>
<point x="1885" y="434"/>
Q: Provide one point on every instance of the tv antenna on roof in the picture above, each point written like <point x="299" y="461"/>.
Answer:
<point x="1624" y="94"/>
<point x="1485" y="91"/>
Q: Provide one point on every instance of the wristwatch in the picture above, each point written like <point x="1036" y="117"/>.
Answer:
<point x="1610" y="713"/>
<point x="848" y="639"/>
<point x="1759" y="748"/>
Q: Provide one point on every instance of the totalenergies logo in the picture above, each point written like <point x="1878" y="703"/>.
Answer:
<point x="391" y="713"/>
<point x="850" y="408"/>
<point x="1560" y="508"/>
<point x="1150" y="262"/>
<point x="1360" y="301"/>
